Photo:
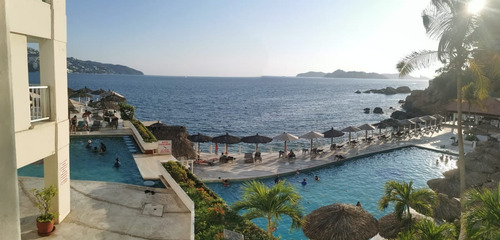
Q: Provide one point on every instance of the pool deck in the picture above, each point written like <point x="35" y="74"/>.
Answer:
<point x="103" y="210"/>
<point x="272" y="165"/>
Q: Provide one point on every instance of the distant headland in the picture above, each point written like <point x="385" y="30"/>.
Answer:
<point x="355" y="74"/>
<point x="81" y="66"/>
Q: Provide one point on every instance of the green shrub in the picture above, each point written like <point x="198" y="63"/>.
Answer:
<point x="212" y="215"/>
<point x="146" y="135"/>
<point x="127" y="111"/>
<point x="471" y="137"/>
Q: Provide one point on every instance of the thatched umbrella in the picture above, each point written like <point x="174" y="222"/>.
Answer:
<point x="198" y="138"/>
<point x="389" y="225"/>
<point x="429" y="119"/>
<point x="333" y="133"/>
<point x="312" y="135"/>
<point x="85" y="90"/>
<point x="72" y="106"/>
<point x="105" y="105"/>
<point x="417" y="120"/>
<point x="405" y="122"/>
<point x="340" y="221"/>
<point x="256" y="139"/>
<point x="447" y="208"/>
<point x="79" y="95"/>
<point x="286" y="137"/>
<point x="226" y="139"/>
<point x="367" y="127"/>
<point x="438" y="117"/>
<point x="349" y="130"/>
<point x="70" y="91"/>
<point x="114" y="97"/>
<point x="99" y="91"/>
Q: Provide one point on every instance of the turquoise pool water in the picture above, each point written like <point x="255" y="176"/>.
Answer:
<point x="360" y="179"/>
<point x="88" y="165"/>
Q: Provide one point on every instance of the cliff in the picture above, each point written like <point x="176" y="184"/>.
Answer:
<point x="81" y="66"/>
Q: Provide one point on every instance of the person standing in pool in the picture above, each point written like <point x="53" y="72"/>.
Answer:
<point x="103" y="148"/>
<point x="117" y="163"/>
<point x="316" y="178"/>
<point x="304" y="183"/>
<point x="89" y="143"/>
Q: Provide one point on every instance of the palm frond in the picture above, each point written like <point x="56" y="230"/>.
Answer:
<point x="415" y="61"/>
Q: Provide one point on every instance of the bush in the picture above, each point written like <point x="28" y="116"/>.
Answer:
<point x="146" y="135"/>
<point x="212" y="215"/>
<point x="127" y="111"/>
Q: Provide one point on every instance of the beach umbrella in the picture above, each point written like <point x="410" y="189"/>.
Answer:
<point x="70" y="91"/>
<point x="99" y="91"/>
<point x="333" y="133"/>
<point x="226" y="139"/>
<point x="380" y="126"/>
<point x="72" y="106"/>
<point x="447" y="208"/>
<point x="417" y="120"/>
<point x="438" y="117"/>
<point x="367" y="127"/>
<point x="198" y="138"/>
<point x="340" y="221"/>
<point x="85" y="90"/>
<point x="429" y="119"/>
<point x="351" y="129"/>
<point x="286" y="137"/>
<point x="312" y="135"/>
<point x="79" y="95"/>
<point x="104" y="105"/>
<point x="256" y="139"/>
<point x="113" y="96"/>
<point x="405" y="122"/>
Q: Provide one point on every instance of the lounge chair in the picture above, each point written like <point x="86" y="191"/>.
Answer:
<point x="248" y="158"/>
<point x="96" y="125"/>
<point x="258" y="157"/>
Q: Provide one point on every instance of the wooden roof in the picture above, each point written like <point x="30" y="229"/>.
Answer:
<point x="489" y="107"/>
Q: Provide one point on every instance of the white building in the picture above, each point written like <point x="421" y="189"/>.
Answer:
<point x="34" y="120"/>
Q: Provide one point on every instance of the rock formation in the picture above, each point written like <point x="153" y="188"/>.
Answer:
<point x="390" y="90"/>
<point x="378" y="110"/>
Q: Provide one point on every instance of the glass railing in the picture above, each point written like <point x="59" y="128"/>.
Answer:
<point x="39" y="103"/>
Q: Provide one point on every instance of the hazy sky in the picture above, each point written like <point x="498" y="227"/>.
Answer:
<point x="247" y="38"/>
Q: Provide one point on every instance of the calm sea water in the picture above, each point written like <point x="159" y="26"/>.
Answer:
<point x="246" y="106"/>
<point x="356" y="180"/>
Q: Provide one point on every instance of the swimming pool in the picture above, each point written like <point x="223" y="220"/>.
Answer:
<point x="360" y="179"/>
<point x="86" y="164"/>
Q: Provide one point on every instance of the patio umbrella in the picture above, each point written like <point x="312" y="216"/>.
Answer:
<point x="367" y="127"/>
<point x="85" y="90"/>
<point x="350" y="129"/>
<point x="198" y="138"/>
<point x="114" y="97"/>
<point x="340" y="221"/>
<point x="333" y="133"/>
<point x="226" y="139"/>
<point x="99" y="91"/>
<point x="79" y="95"/>
<point x="429" y="119"/>
<point x="312" y="135"/>
<point x="256" y="139"/>
<point x="286" y="137"/>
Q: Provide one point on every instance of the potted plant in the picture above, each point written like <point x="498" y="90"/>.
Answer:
<point x="44" y="221"/>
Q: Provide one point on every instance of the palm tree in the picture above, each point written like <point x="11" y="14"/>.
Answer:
<point x="460" y="33"/>
<point x="482" y="213"/>
<point x="428" y="230"/>
<point x="404" y="196"/>
<point x="270" y="203"/>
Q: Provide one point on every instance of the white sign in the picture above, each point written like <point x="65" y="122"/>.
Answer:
<point x="165" y="147"/>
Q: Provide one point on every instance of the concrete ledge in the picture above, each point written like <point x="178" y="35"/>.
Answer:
<point x="145" y="147"/>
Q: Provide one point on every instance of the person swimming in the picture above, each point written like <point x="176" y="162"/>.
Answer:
<point x="316" y="178"/>
<point x="117" y="163"/>
<point x="89" y="143"/>
<point x="103" y="148"/>
<point x="303" y="182"/>
<point x="95" y="149"/>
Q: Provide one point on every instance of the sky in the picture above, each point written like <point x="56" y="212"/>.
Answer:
<point x="247" y="38"/>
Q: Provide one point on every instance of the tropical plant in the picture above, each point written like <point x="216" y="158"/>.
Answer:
<point x="482" y="213"/>
<point x="127" y="111"/>
<point x="43" y="197"/>
<point x="261" y="201"/>
<point x="405" y="197"/>
<point x="428" y="230"/>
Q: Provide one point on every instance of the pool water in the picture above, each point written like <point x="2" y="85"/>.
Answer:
<point x="360" y="179"/>
<point x="86" y="164"/>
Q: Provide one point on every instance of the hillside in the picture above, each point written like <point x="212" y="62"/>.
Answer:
<point x="355" y="74"/>
<point x="81" y="66"/>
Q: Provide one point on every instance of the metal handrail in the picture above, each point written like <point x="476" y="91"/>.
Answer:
<point x="39" y="103"/>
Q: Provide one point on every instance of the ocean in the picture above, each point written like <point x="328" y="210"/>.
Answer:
<point x="243" y="106"/>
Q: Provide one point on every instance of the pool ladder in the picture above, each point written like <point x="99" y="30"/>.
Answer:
<point x="130" y="144"/>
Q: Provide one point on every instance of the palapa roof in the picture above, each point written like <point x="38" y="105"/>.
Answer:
<point x="351" y="129"/>
<point x="286" y="137"/>
<point x="333" y="133"/>
<point x="367" y="127"/>
<point x="447" y="208"/>
<point x="226" y="138"/>
<point x="312" y="135"/>
<point x="199" y="138"/>
<point x="488" y="107"/>
<point x="389" y="225"/>
<point x="340" y="221"/>
<point x="256" y="139"/>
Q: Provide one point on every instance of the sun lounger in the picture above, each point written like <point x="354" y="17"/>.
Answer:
<point x="258" y="157"/>
<point x="248" y="158"/>
<point x="96" y="126"/>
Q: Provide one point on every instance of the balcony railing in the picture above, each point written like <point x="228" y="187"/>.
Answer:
<point x="39" y="103"/>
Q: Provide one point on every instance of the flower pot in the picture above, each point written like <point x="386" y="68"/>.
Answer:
<point x="45" y="228"/>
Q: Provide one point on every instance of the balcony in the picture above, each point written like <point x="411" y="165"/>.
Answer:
<point x="39" y="103"/>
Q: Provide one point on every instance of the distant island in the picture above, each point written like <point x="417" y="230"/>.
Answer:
<point x="81" y="66"/>
<point x="355" y="74"/>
